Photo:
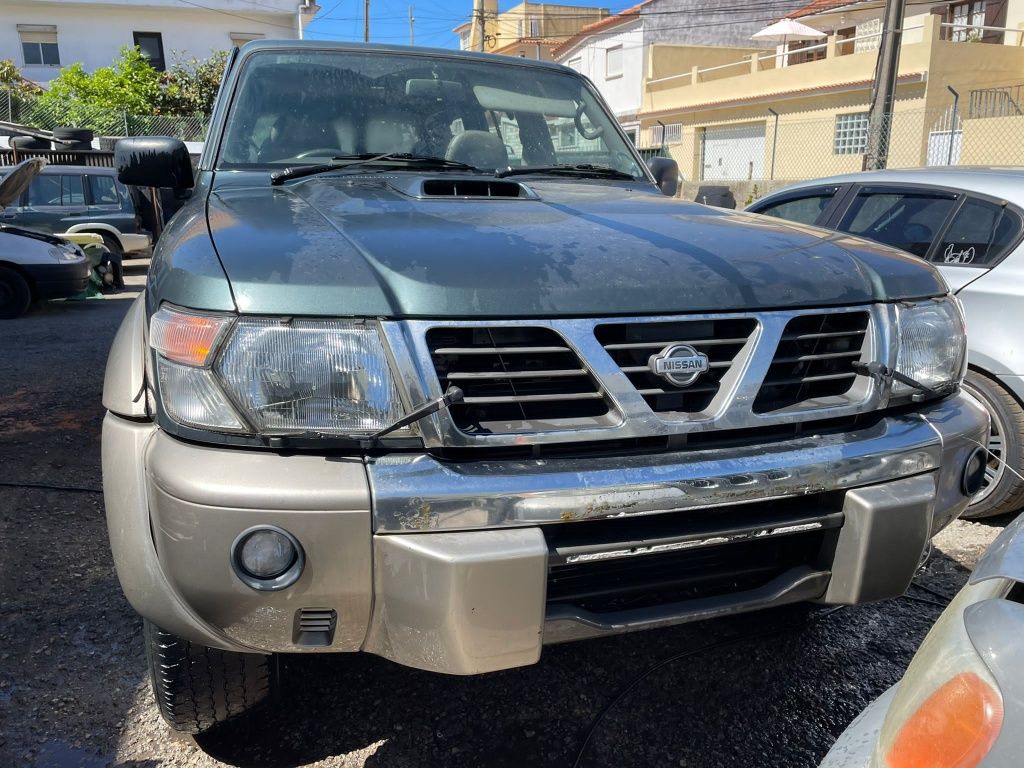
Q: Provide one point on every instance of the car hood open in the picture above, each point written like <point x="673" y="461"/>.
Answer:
<point x="18" y="178"/>
<point x="365" y="246"/>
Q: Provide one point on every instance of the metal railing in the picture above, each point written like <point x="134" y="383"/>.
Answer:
<point x="92" y="159"/>
<point x="1004" y="101"/>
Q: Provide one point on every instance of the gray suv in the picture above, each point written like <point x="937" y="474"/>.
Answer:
<point x="430" y="367"/>
<point x="74" y="198"/>
<point x="969" y="223"/>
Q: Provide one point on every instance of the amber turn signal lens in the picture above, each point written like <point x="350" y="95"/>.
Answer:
<point x="955" y="727"/>
<point x="185" y="338"/>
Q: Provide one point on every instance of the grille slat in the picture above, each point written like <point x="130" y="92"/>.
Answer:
<point x="462" y="375"/>
<point x="631" y="345"/>
<point x="813" y="364"/>
<point x="516" y="379"/>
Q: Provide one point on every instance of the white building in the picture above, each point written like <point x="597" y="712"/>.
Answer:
<point x="611" y="53"/>
<point x="41" y="36"/>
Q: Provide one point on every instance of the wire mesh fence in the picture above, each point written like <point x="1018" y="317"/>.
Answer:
<point x="774" y="151"/>
<point x="36" y="113"/>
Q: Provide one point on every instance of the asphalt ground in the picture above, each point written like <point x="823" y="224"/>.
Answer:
<point x="768" y="689"/>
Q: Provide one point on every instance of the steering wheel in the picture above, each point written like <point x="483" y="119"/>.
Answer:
<point x="593" y="132"/>
<point x="319" y="151"/>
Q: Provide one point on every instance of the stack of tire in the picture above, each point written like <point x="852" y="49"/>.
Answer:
<point x="72" y="139"/>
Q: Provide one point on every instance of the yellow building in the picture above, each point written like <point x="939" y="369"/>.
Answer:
<point x="529" y="30"/>
<point x="800" y="111"/>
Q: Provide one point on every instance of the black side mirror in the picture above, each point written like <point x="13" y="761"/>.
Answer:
<point x="666" y="174"/>
<point x="153" y="161"/>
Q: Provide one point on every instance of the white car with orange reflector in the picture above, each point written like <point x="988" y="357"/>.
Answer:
<point x="961" y="702"/>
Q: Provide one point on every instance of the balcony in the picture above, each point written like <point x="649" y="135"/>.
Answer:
<point x="929" y="51"/>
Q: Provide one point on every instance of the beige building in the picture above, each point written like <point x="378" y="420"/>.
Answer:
<point x="800" y="111"/>
<point x="529" y="30"/>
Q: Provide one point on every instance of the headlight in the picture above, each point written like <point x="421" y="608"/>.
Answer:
<point x="265" y="375"/>
<point x="948" y="710"/>
<point x="932" y="344"/>
<point x="66" y="253"/>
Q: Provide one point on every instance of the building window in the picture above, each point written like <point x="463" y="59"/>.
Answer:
<point x="657" y="135"/>
<point x="967" y="17"/>
<point x="851" y="134"/>
<point x="39" y="45"/>
<point x="673" y="133"/>
<point x="534" y="26"/>
<point x="464" y="40"/>
<point x="238" y="39"/>
<point x="576" y="64"/>
<point x="869" y="34"/>
<point x="152" y="46"/>
<point x="613" y="62"/>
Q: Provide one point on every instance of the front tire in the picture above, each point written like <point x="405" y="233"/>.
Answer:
<point x="198" y="688"/>
<point x="15" y="294"/>
<point x="1003" y="491"/>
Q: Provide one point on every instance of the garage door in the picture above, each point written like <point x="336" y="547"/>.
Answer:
<point x="734" y="153"/>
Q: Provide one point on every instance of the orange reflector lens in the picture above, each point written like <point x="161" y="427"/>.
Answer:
<point x="955" y="727"/>
<point x="184" y="338"/>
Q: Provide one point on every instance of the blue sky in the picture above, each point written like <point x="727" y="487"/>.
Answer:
<point x="389" y="19"/>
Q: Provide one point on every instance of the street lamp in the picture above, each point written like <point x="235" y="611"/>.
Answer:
<point x="306" y="8"/>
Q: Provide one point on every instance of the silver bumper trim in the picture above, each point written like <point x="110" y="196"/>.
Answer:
<point x="421" y="493"/>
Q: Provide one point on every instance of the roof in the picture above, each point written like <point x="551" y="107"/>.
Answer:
<point x="821" y="6"/>
<point x="1004" y="182"/>
<point x="608" y="22"/>
<point x="447" y="53"/>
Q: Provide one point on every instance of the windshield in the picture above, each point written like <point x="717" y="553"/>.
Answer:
<point x="312" y="107"/>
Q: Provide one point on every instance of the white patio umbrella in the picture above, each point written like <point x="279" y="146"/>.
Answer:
<point x="786" y="30"/>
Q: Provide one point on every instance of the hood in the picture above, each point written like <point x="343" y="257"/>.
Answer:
<point x="371" y="246"/>
<point x="18" y="178"/>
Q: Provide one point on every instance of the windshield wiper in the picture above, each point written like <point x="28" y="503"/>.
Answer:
<point x="582" y="170"/>
<point x="299" y="171"/>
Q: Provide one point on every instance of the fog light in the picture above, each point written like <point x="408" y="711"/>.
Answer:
<point x="267" y="558"/>
<point x="974" y="472"/>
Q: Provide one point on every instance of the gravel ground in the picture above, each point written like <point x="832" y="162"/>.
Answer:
<point x="775" y="690"/>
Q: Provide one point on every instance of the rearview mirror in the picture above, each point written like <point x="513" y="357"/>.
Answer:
<point x="666" y="173"/>
<point x="153" y="161"/>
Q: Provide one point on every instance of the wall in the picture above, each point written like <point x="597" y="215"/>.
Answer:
<point x="694" y="22"/>
<point x="622" y="93"/>
<point x="993" y="141"/>
<point x="92" y="33"/>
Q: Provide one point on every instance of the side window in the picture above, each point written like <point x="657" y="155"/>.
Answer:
<point x="102" y="191"/>
<point x="907" y="220"/>
<point x="804" y="210"/>
<point x="979" y="234"/>
<point x="72" y="190"/>
<point x="44" y="190"/>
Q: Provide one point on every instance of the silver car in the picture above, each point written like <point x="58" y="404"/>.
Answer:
<point x="961" y="701"/>
<point x="969" y="222"/>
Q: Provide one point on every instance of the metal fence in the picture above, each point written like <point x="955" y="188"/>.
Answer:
<point x="775" y="150"/>
<point x="33" y="112"/>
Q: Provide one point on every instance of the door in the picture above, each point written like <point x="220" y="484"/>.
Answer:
<point x="107" y="203"/>
<point x="733" y="153"/>
<point x="53" y="203"/>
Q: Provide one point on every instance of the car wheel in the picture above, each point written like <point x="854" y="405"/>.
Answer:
<point x="198" y="688"/>
<point x="15" y="294"/>
<point x="1003" y="490"/>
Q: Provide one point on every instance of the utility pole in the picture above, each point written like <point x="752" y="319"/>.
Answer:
<point x="478" y="23"/>
<point x="883" y="90"/>
<point x="412" y="32"/>
<point x="366" y="21"/>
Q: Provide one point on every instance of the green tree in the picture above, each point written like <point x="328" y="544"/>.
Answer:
<point x="191" y="85"/>
<point x="11" y="79"/>
<point x="130" y="84"/>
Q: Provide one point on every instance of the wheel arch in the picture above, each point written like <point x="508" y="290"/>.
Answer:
<point x="98" y="229"/>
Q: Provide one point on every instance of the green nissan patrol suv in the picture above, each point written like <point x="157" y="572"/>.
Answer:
<point x="430" y="366"/>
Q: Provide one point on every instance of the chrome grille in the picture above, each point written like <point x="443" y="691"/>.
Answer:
<point x="631" y="346"/>
<point x="515" y="379"/>
<point x="812" y="364"/>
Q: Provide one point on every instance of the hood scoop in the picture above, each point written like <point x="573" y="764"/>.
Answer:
<point x="468" y="187"/>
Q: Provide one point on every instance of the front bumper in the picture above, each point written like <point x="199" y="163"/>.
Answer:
<point x="470" y="567"/>
<point x="58" y="281"/>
